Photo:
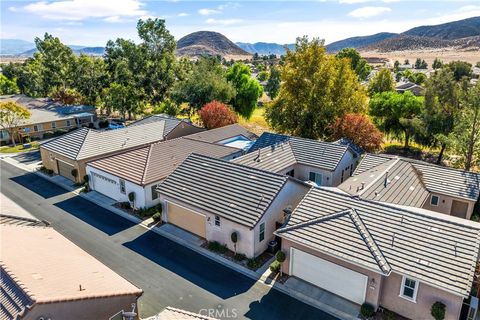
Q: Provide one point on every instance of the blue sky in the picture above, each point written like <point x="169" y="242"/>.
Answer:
<point x="93" y="22"/>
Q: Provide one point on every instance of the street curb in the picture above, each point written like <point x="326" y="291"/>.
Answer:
<point x="257" y="276"/>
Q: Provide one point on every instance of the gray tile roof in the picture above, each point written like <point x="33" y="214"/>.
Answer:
<point x="235" y="192"/>
<point x="438" y="179"/>
<point x="170" y="122"/>
<point x="86" y="143"/>
<point x="13" y="300"/>
<point x="156" y="161"/>
<point x="324" y="155"/>
<point x="274" y="158"/>
<point x="394" y="181"/>
<point x="436" y="249"/>
<point x="223" y="133"/>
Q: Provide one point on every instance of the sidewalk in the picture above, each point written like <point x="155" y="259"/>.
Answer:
<point x="293" y="287"/>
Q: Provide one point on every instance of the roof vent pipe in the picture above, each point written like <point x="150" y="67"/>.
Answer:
<point x="386" y="179"/>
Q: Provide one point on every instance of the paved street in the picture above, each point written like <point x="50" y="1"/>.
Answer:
<point x="170" y="274"/>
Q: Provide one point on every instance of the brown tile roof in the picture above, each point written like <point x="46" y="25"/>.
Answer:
<point x="155" y="162"/>
<point x="49" y="268"/>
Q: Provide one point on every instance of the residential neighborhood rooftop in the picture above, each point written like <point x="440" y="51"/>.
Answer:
<point x="221" y="134"/>
<point x="236" y="192"/>
<point x="156" y="161"/>
<point x="436" y="249"/>
<point x="170" y="122"/>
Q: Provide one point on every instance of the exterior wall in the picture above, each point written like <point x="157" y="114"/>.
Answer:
<point x="99" y="308"/>
<point x="302" y="172"/>
<point x="42" y="128"/>
<point x="149" y="202"/>
<point x="49" y="160"/>
<point x="183" y="129"/>
<point x="445" y="204"/>
<point x="372" y="295"/>
<point x="426" y="296"/>
<point x="344" y="165"/>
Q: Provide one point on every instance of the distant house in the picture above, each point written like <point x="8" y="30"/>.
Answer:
<point x="45" y="276"/>
<point x="407" y="182"/>
<point x="366" y="251"/>
<point x="412" y="87"/>
<point x="141" y="170"/>
<point x="322" y="163"/>
<point x="47" y="116"/>
<point x="75" y="149"/>
<point x="213" y="198"/>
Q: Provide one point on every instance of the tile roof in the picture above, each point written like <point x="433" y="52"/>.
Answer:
<point x="395" y="181"/>
<point x="223" y="133"/>
<point x="170" y="122"/>
<point x="438" y="179"/>
<point x="156" y="161"/>
<point x="235" y="192"/>
<point x="436" y="249"/>
<point x="86" y="143"/>
<point x="13" y="300"/>
<point x="324" y="155"/>
<point x="22" y="221"/>
<point x="274" y="158"/>
<point x="170" y="313"/>
<point x="63" y="268"/>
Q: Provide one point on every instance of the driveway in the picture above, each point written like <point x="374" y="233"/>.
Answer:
<point x="169" y="274"/>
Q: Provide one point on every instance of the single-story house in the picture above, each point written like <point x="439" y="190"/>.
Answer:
<point x="43" y="275"/>
<point x="73" y="150"/>
<point x="141" y="170"/>
<point x="412" y="87"/>
<point x="322" y="163"/>
<point x="233" y="135"/>
<point x="47" y="115"/>
<point x="367" y="251"/>
<point x="213" y="198"/>
<point x="413" y="183"/>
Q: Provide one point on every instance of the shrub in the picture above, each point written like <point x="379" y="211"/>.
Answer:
<point x="253" y="263"/>
<point x="157" y="216"/>
<point x="275" y="266"/>
<point x="217" y="247"/>
<point x="367" y="310"/>
<point x="239" y="257"/>
<point x="280" y="256"/>
<point x="359" y="129"/>
<point x="125" y="205"/>
<point x="216" y="114"/>
<point x="86" y="178"/>
<point x="438" y="310"/>
<point x="131" y="196"/>
<point x="74" y="172"/>
<point x="159" y="208"/>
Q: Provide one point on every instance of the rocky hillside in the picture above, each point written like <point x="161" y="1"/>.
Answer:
<point x="209" y="43"/>
<point x="405" y="42"/>
<point x="448" y="31"/>
<point x="359" y="42"/>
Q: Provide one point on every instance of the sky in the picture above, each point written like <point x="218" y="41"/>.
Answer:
<point x="94" y="22"/>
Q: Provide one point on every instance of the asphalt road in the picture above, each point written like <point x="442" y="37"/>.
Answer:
<point x="169" y="274"/>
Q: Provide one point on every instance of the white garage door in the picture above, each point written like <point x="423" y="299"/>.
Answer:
<point x="343" y="282"/>
<point x="105" y="186"/>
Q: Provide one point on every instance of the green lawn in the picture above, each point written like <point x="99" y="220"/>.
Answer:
<point x="257" y="122"/>
<point x="18" y="148"/>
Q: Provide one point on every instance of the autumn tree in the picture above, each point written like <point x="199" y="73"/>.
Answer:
<point x="383" y="81"/>
<point x="11" y="116"/>
<point x="216" y="114"/>
<point x="316" y="89"/>
<point x="247" y="88"/>
<point x="360" y="130"/>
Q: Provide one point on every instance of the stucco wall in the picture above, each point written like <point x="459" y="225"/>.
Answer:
<point x="344" y="165"/>
<point x="445" y="204"/>
<point x="302" y="172"/>
<point x="101" y="308"/>
<point x="49" y="160"/>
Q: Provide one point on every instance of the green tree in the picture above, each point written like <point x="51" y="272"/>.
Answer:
<point x="383" y="81"/>
<point x="262" y="76"/>
<point x="90" y="78"/>
<point x="121" y="98"/>
<point x="437" y="64"/>
<point x="316" y="89"/>
<point x="396" y="64"/>
<point x="8" y="86"/>
<point x="273" y="82"/>
<point x="248" y="90"/>
<point x="11" y="116"/>
<point x="460" y="69"/>
<point x="397" y="113"/>
<point x="420" y="64"/>
<point x="205" y="83"/>
<point x="358" y="64"/>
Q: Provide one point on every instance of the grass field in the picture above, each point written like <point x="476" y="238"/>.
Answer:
<point x="19" y="148"/>
<point x="257" y="123"/>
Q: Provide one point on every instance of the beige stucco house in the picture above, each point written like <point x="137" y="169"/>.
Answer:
<point x="45" y="276"/>
<point x="367" y="251"/>
<point x="213" y="198"/>
<point x="411" y="183"/>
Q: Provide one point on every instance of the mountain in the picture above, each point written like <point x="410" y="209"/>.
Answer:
<point x="359" y="42"/>
<point x="14" y="46"/>
<point x="209" y="43"/>
<point x="448" y="31"/>
<point x="265" y="48"/>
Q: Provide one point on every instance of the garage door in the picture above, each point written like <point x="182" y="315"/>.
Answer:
<point x="65" y="170"/>
<point x="186" y="219"/>
<point x="341" y="281"/>
<point x="105" y="186"/>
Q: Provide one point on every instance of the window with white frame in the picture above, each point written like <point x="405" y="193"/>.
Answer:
<point x="217" y="221"/>
<point x="434" y="200"/>
<point x="409" y="289"/>
<point x="315" y="177"/>
<point x="122" y="186"/>
<point x="261" y="234"/>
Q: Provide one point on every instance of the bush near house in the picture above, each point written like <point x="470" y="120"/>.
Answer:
<point x="438" y="310"/>
<point x="216" y="114"/>
<point x="275" y="266"/>
<point x="46" y="171"/>
<point x="239" y="257"/>
<point x="367" y="311"/>
<point x="157" y="216"/>
<point x="216" y="246"/>
<point x="253" y="263"/>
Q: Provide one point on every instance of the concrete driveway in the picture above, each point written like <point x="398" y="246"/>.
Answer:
<point x="169" y="274"/>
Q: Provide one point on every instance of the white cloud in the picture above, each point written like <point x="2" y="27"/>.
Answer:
<point x="223" y="22"/>
<point x="78" y="10"/>
<point x="207" y="12"/>
<point x="12" y="9"/>
<point x="368" y="12"/>
<point x="183" y="14"/>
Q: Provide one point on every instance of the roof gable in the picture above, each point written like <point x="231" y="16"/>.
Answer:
<point x="222" y="133"/>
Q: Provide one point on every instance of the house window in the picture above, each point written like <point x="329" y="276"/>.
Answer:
<point x="217" y="221"/>
<point x="434" y="201"/>
<point x="291" y="173"/>
<point x="261" y="235"/>
<point x="122" y="186"/>
<point x="35" y="128"/>
<point x="316" y="177"/>
<point x="154" y="192"/>
<point x="54" y="125"/>
<point x="409" y="289"/>
<point x="68" y="123"/>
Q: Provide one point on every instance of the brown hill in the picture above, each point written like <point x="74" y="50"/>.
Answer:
<point x="405" y="42"/>
<point x="208" y="43"/>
